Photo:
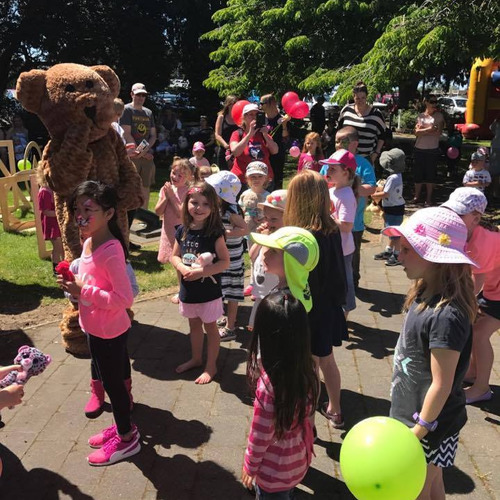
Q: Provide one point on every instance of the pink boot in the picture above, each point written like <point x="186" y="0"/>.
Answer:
<point x="128" y="385"/>
<point x="94" y="406"/>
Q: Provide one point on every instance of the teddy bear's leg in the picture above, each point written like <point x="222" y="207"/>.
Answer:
<point x="69" y="230"/>
<point x="74" y="339"/>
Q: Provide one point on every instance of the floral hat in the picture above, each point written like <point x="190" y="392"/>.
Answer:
<point x="226" y="185"/>
<point x="436" y="234"/>
<point x="277" y="199"/>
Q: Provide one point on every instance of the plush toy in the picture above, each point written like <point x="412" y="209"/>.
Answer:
<point x="203" y="260"/>
<point x="248" y="203"/>
<point x="75" y="103"/>
<point x="33" y="362"/>
<point x="63" y="268"/>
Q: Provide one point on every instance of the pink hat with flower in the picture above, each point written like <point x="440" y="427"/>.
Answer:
<point x="436" y="234"/>
<point x="277" y="199"/>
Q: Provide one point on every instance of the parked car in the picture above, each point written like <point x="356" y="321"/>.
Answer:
<point x="453" y="105"/>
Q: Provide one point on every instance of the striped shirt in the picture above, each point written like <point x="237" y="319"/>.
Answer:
<point x="370" y="127"/>
<point x="276" y="465"/>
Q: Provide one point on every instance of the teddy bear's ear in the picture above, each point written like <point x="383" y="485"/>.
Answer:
<point x="30" y="89"/>
<point x="110" y="77"/>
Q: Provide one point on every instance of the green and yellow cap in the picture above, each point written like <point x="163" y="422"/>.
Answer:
<point x="301" y="255"/>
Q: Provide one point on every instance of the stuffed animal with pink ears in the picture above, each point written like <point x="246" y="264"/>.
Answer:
<point x="203" y="260"/>
<point x="33" y="362"/>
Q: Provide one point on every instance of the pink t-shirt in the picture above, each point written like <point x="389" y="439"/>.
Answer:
<point x="107" y="292"/>
<point x="484" y="249"/>
<point x="345" y="205"/>
<point x="306" y="161"/>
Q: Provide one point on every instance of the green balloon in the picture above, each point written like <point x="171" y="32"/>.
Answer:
<point x="24" y="165"/>
<point x="381" y="459"/>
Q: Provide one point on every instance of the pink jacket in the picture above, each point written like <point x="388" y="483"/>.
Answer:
<point x="107" y="292"/>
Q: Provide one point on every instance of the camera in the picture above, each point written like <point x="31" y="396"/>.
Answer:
<point x="260" y="120"/>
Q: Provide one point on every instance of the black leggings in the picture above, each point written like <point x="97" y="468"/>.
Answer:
<point x="111" y="364"/>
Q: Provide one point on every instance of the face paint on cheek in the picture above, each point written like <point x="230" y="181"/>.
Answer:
<point x="82" y="222"/>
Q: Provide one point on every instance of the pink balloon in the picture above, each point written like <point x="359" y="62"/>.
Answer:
<point x="294" y="151"/>
<point x="452" y="153"/>
<point x="299" y="110"/>
<point x="288" y="100"/>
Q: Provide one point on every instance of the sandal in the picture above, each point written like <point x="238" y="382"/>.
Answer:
<point x="222" y="321"/>
<point x="335" y="418"/>
<point x="226" y="334"/>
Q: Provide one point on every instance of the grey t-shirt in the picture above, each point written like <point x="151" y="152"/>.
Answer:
<point x="140" y="121"/>
<point x="445" y="328"/>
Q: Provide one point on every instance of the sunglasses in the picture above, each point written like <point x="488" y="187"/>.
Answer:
<point x="432" y="102"/>
<point x="263" y="103"/>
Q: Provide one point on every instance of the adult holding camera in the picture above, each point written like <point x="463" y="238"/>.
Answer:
<point x="252" y="142"/>
<point x="279" y="124"/>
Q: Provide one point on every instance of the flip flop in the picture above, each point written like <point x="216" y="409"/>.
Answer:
<point x="483" y="397"/>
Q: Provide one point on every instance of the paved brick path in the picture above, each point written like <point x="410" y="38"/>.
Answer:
<point x="194" y="436"/>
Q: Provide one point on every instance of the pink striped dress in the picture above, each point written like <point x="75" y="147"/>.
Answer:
<point x="276" y="465"/>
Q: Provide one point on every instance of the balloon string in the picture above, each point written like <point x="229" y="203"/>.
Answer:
<point x="275" y="130"/>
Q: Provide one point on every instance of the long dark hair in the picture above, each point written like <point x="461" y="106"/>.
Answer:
<point x="106" y="197"/>
<point x="281" y="330"/>
<point x="213" y="224"/>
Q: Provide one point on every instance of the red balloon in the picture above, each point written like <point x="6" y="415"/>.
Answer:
<point x="288" y="100"/>
<point x="299" y="110"/>
<point x="237" y="111"/>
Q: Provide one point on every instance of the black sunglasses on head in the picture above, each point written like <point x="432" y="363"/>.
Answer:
<point x="432" y="102"/>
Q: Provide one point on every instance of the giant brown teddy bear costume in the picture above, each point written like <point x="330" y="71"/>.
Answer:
<point x="75" y="103"/>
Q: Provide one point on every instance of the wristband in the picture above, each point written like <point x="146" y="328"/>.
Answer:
<point x="430" y="426"/>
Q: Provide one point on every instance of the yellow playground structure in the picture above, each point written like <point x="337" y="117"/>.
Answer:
<point x="14" y="198"/>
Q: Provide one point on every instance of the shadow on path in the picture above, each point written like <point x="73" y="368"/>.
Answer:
<point x="380" y="343"/>
<point x="18" y="483"/>
<point x="387" y="304"/>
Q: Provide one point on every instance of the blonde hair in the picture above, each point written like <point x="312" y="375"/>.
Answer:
<point x="308" y="203"/>
<point x="453" y="282"/>
<point x="185" y="166"/>
<point x="118" y="105"/>
<point x="200" y="170"/>
<point x="312" y="136"/>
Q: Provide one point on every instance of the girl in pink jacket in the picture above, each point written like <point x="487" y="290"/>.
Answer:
<point x="104" y="293"/>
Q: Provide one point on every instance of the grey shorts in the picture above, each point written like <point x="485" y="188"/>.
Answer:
<point x="146" y="169"/>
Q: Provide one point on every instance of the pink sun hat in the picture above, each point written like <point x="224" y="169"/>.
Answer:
<point x="436" y="234"/>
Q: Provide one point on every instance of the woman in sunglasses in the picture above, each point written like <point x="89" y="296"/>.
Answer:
<point x="428" y="130"/>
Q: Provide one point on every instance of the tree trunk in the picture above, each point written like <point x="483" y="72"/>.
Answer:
<point x="407" y="92"/>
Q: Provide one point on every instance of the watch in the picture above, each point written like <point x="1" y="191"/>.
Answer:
<point x="430" y="426"/>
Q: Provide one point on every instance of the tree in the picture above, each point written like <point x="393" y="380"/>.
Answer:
<point x="275" y="45"/>
<point x="317" y="45"/>
<point x="436" y="41"/>
<point x="128" y="36"/>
